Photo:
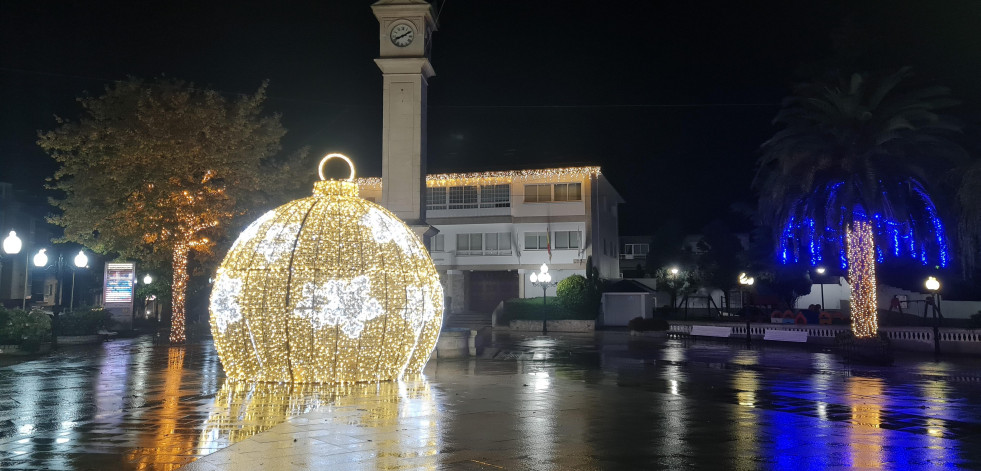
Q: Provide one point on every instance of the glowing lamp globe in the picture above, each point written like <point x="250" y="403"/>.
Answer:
<point x="326" y="289"/>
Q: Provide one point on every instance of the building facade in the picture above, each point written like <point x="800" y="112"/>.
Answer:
<point x="496" y="228"/>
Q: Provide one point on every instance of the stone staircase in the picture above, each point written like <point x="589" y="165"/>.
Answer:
<point x="467" y="320"/>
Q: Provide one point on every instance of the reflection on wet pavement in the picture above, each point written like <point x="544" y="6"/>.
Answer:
<point x="558" y="402"/>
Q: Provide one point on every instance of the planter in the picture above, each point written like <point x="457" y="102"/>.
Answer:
<point x="651" y="334"/>
<point x="555" y="326"/>
<point x="15" y="349"/>
<point x="79" y="339"/>
<point x="874" y="351"/>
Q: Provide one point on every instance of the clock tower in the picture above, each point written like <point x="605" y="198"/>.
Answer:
<point x="405" y="34"/>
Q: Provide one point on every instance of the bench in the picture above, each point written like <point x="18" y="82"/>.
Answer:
<point x="785" y="335"/>
<point x="710" y="331"/>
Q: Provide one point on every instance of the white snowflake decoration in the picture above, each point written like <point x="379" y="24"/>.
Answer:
<point x="278" y="241"/>
<point x="250" y="232"/>
<point x="384" y="228"/>
<point x="338" y="303"/>
<point x="224" y="302"/>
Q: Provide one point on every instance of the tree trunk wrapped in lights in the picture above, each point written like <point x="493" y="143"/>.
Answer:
<point x="861" y="275"/>
<point x="326" y="289"/>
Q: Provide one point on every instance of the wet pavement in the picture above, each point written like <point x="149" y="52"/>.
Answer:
<point x="562" y="402"/>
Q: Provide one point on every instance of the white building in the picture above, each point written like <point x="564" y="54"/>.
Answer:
<point x="496" y="228"/>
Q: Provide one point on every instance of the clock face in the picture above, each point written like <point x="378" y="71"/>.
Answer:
<point x="402" y="35"/>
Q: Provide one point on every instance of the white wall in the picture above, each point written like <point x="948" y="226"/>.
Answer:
<point x="838" y="296"/>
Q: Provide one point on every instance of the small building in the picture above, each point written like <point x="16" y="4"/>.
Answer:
<point x="496" y="228"/>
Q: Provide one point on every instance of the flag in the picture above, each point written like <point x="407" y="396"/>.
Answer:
<point x="548" y="241"/>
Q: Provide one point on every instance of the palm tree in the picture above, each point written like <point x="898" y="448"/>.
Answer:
<point x="857" y="152"/>
<point x="970" y="221"/>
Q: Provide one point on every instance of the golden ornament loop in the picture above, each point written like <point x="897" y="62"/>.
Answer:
<point x="320" y="168"/>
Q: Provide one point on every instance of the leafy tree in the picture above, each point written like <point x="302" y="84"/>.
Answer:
<point x="684" y="282"/>
<point x="857" y="150"/>
<point x="723" y="261"/>
<point x="155" y="171"/>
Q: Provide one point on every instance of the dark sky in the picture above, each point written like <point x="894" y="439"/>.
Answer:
<point x="671" y="98"/>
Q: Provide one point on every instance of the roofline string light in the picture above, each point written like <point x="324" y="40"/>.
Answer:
<point x="484" y="178"/>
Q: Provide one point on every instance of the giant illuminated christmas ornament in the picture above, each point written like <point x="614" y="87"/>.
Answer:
<point x="326" y="289"/>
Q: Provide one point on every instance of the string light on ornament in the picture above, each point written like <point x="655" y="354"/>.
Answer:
<point x="861" y="274"/>
<point x="326" y="289"/>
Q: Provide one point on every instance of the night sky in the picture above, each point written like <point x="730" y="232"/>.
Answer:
<point x="672" y="99"/>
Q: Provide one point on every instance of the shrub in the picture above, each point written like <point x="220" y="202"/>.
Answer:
<point x="976" y="320"/>
<point x="25" y="329"/>
<point x="533" y="309"/>
<point x="640" y="324"/>
<point x="572" y="292"/>
<point x="84" y="322"/>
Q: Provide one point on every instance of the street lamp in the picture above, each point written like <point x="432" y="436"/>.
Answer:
<point x="544" y="280"/>
<point x="932" y="284"/>
<point x="12" y="245"/>
<point x="81" y="261"/>
<point x="674" y="270"/>
<point x="745" y="281"/>
<point x="147" y="279"/>
<point x="820" y="271"/>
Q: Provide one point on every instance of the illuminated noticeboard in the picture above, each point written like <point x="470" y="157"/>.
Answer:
<point x="120" y="281"/>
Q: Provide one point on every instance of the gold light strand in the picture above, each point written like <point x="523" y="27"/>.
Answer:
<point x="861" y="274"/>
<point x="490" y="178"/>
<point x="326" y="289"/>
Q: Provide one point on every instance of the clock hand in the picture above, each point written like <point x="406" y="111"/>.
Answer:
<point x="403" y="35"/>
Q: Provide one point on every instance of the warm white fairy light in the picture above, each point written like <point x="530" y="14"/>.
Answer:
<point x="330" y="288"/>
<point x="861" y="274"/>
<point x="488" y="178"/>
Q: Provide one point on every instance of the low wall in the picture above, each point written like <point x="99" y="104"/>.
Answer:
<point x="554" y="326"/>
<point x="15" y="349"/>
<point x="79" y="339"/>
<point x="962" y="341"/>
<point x="455" y="343"/>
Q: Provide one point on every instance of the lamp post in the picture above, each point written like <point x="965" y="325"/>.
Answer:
<point x="745" y="281"/>
<point x="933" y="285"/>
<point x="820" y="271"/>
<point x="544" y="280"/>
<point x="11" y="246"/>
<point x="81" y="261"/>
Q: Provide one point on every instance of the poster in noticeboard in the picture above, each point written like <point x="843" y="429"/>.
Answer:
<point x="119" y="284"/>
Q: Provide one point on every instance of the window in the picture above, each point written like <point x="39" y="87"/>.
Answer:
<point x="635" y="250"/>
<point x="469" y="244"/>
<point x="495" y="196"/>
<point x="436" y="243"/>
<point x="435" y="198"/>
<point x="498" y="243"/>
<point x="536" y="240"/>
<point x="538" y="193"/>
<point x="463" y="197"/>
<point x="567" y="239"/>
<point x="568" y="192"/>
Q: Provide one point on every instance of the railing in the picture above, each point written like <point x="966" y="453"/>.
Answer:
<point x="904" y="338"/>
